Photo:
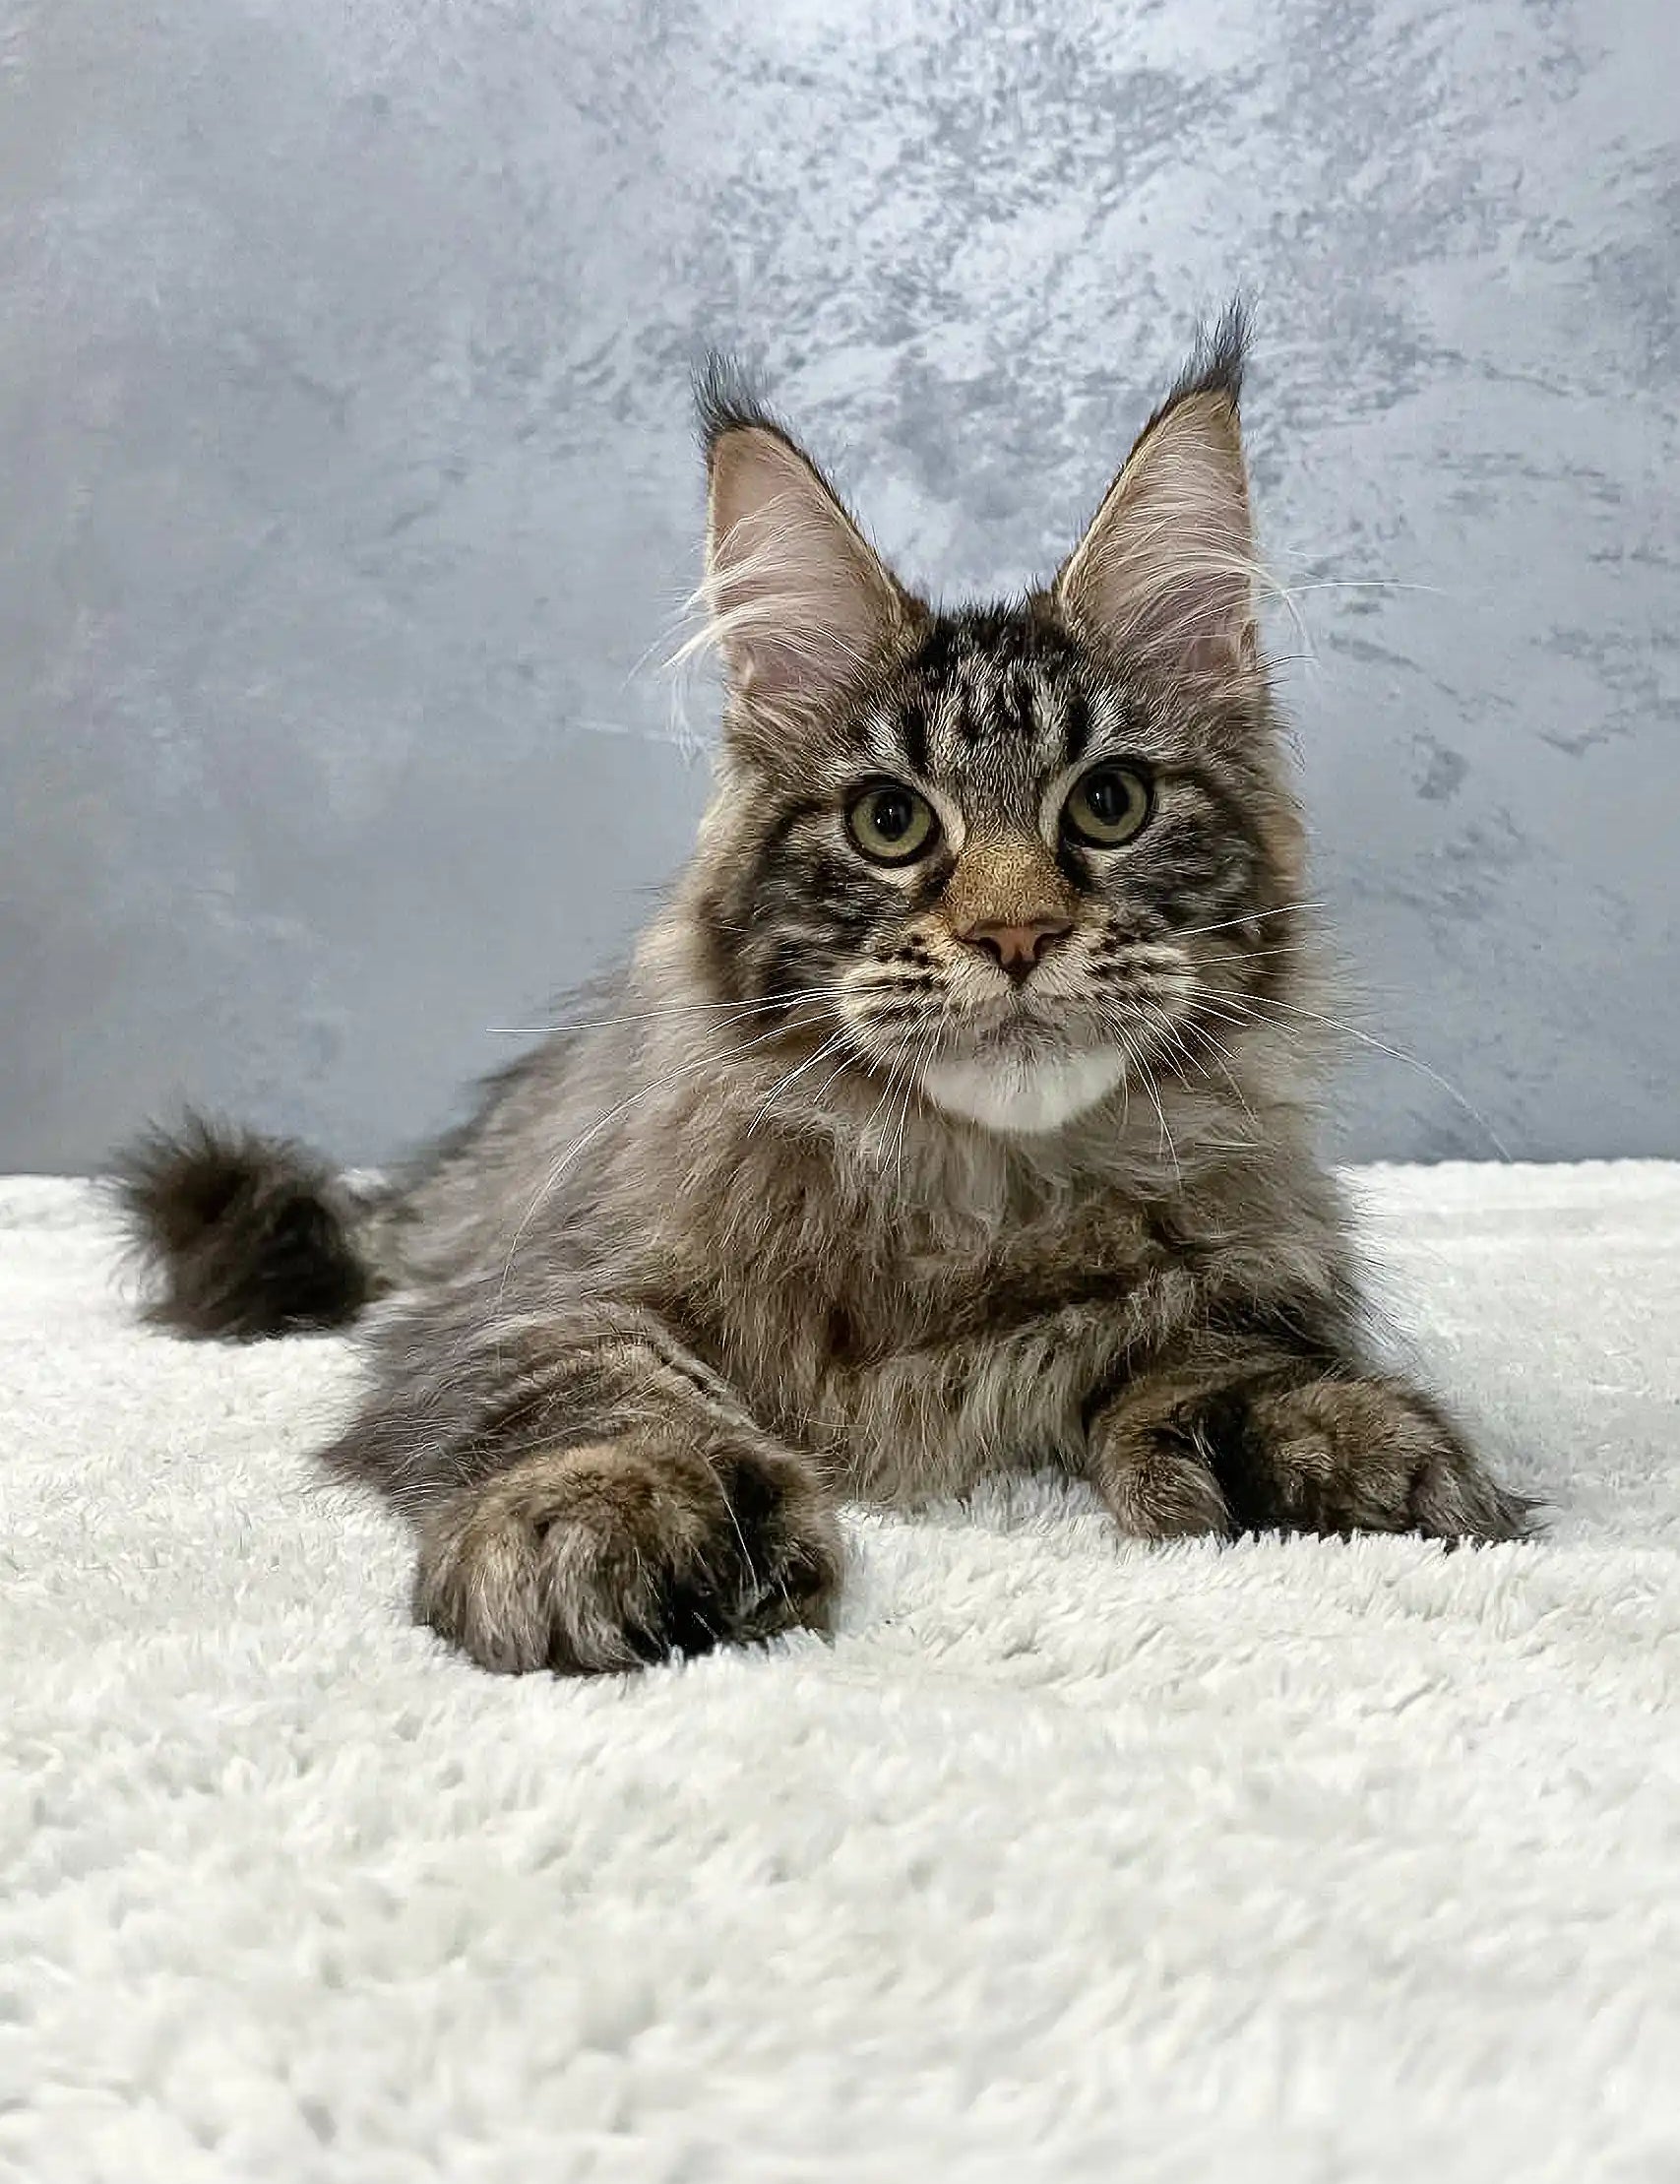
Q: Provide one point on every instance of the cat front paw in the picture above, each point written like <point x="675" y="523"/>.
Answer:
<point x="610" y="1556"/>
<point x="1347" y="1456"/>
<point x="1332" y="1454"/>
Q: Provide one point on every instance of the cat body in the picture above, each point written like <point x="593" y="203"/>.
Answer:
<point x="925" y="1304"/>
<point x="955" y="1115"/>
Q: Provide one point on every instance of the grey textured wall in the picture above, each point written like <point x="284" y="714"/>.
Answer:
<point x="345" y="484"/>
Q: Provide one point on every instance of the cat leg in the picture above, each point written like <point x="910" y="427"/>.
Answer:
<point x="1264" y="1445"/>
<point x="608" y="1504"/>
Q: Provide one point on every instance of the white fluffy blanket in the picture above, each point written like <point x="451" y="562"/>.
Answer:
<point x="1068" y="1858"/>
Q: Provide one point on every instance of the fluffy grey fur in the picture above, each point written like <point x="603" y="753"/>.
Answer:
<point x="957" y="1115"/>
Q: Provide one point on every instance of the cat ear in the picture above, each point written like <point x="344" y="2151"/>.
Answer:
<point x="1166" y="571"/>
<point x="796" y="598"/>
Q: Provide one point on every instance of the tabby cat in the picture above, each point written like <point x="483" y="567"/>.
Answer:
<point x="956" y="1116"/>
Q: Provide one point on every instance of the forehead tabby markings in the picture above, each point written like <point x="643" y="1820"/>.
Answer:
<point x="996" y="683"/>
<point x="913" y="730"/>
<point x="1076" y="725"/>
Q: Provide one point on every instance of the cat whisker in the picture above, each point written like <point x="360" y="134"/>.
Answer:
<point x="891" y="1067"/>
<point x="1249" y="918"/>
<point x="836" y="1039"/>
<point x="1176" y="1033"/>
<point x="846" y="1061"/>
<point x="1369" y="584"/>
<point x="919" y="1061"/>
<point x="791" y="1000"/>
<point x="1133" y="1052"/>
<point x="1253" y="1003"/>
<point x="901" y="1068"/>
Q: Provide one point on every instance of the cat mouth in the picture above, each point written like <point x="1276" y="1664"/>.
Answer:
<point x="1015" y="1034"/>
<point x="1016" y="1029"/>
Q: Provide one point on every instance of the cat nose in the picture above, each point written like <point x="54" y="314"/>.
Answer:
<point x="1017" y="947"/>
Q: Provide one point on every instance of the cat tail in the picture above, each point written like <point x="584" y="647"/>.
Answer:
<point x="242" y="1236"/>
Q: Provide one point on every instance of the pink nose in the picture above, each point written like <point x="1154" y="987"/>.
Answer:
<point x="1018" y="947"/>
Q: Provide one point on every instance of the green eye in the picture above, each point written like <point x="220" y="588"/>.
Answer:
<point x="892" y="824"/>
<point x="1107" y="807"/>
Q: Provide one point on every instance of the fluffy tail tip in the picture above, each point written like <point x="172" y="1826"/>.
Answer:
<point x="242" y="1236"/>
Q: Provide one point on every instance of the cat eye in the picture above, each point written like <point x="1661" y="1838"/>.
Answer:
<point x="892" y="824"/>
<point x="1106" y="808"/>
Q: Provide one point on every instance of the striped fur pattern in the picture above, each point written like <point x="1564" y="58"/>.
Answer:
<point x="877" y="1174"/>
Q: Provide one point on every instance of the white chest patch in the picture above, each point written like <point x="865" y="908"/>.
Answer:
<point x="1023" y="1093"/>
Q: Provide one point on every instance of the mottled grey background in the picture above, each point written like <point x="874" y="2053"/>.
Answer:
<point x="345" y="486"/>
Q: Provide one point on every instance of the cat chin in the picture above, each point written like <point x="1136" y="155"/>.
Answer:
<point x="1024" y="1095"/>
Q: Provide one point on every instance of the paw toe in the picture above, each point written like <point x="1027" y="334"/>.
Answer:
<point x="1170" y="1494"/>
<point x="603" y="1559"/>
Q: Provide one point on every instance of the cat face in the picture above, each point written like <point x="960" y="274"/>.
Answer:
<point x="1024" y="856"/>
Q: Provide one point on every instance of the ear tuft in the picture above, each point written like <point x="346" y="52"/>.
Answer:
<point x="726" y="400"/>
<point x="1166" y="571"/>
<point x="797" y="599"/>
<point x="1219" y="360"/>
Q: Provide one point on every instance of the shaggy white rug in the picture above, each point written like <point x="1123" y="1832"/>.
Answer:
<point x="1068" y="1858"/>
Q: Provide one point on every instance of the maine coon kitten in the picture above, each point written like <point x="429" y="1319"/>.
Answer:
<point x="954" y="1116"/>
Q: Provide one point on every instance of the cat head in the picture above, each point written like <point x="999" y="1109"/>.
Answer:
<point x="1020" y="852"/>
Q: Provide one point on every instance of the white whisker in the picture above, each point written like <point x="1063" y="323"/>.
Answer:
<point x="1249" y="918"/>
<point x="829" y="992"/>
<point x="836" y="1039"/>
<point x="1253" y="1003"/>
